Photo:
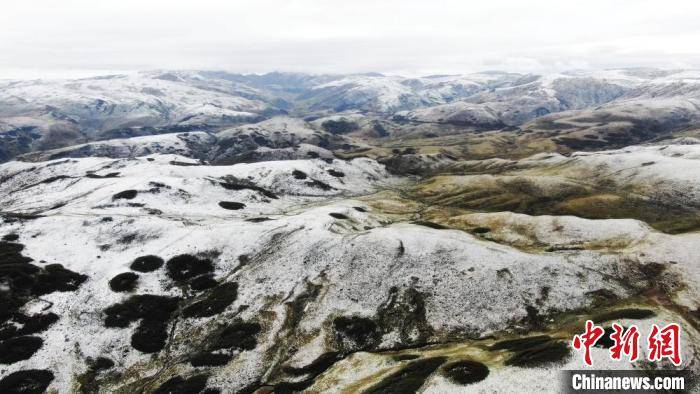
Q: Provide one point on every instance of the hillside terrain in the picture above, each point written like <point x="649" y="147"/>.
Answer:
<point x="208" y="232"/>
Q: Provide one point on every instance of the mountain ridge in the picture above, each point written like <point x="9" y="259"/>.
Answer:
<point x="39" y="115"/>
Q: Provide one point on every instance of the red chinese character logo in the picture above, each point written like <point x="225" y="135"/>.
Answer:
<point x="588" y="339"/>
<point x="626" y="342"/>
<point x="665" y="343"/>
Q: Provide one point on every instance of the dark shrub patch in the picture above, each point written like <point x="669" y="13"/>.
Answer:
<point x="56" y="278"/>
<point x="26" y="325"/>
<point x="318" y="366"/>
<point x="521" y="343"/>
<point x="26" y="279"/>
<point x="433" y="225"/>
<point x="88" y="380"/>
<point x="466" y="372"/>
<point x="178" y="385"/>
<point x="231" y="205"/>
<point x="23" y="281"/>
<point x="10" y="254"/>
<point x="338" y="215"/>
<point x="539" y="355"/>
<point x="404" y="313"/>
<point x="319" y="185"/>
<point x="147" y="263"/>
<point x="59" y="205"/>
<point x="209" y="359"/>
<point x="184" y="163"/>
<point x="101" y="364"/>
<point x="158" y="185"/>
<point x="153" y="211"/>
<point x="14" y="217"/>
<point x="153" y="311"/>
<point x="602" y="297"/>
<point x="19" y="348"/>
<point x="335" y="173"/>
<point x="29" y="381"/>
<point x="140" y="307"/>
<point x="203" y="282"/>
<point x="54" y="179"/>
<point x="362" y="333"/>
<point x="299" y="174"/>
<point x="340" y="126"/>
<point x="150" y="336"/>
<point x="481" y="230"/>
<point x="247" y="186"/>
<point x="126" y="195"/>
<point x="409" y="379"/>
<point x="258" y="220"/>
<point x="127" y="239"/>
<point x="629" y="313"/>
<point x="405" y="357"/>
<point x="124" y="282"/>
<point x="97" y="176"/>
<point x="216" y="301"/>
<point x="10" y="237"/>
<point x="652" y="270"/>
<point x="360" y="209"/>
<point x="239" y="335"/>
<point x="183" y="267"/>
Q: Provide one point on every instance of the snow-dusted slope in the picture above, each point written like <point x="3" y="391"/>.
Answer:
<point x="669" y="173"/>
<point x="521" y="100"/>
<point x="278" y="138"/>
<point x="143" y="99"/>
<point x="191" y="144"/>
<point x="268" y="274"/>
<point x="657" y="184"/>
<point x="49" y="114"/>
<point x="388" y="94"/>
<point x="652" y="109"/>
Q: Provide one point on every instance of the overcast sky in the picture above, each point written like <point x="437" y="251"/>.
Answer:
<point x="80" y="37"/>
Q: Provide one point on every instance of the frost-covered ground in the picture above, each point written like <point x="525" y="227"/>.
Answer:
<point x="145" y="273"/>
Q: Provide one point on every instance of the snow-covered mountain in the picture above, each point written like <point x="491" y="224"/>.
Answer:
<point x="277" y="138"/>
<point x="41" y="115"/>
<point x="523" y="99"/>
<point x="38" y="115"/>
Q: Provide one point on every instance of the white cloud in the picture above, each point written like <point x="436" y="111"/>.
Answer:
<point x="70" y="37"/>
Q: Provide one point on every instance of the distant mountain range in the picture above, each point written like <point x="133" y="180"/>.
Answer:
<point x="583" y="109"/>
